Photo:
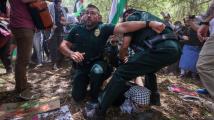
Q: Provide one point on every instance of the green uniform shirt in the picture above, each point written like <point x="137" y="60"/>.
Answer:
<point x="90" y="42"/>
<point x="139" y="36"/>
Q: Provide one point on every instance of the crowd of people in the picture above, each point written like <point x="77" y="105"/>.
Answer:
<point x="191" y="46"/>
<point x="155" y="44"/>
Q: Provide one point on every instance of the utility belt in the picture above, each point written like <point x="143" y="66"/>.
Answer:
<point x="151" y="43"/>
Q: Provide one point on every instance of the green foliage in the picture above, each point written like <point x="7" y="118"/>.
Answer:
<point x="189" y="7"/>
<point x="153" y="6"/>
<point x="68" y="3"/>
<point x="178" y="9"/>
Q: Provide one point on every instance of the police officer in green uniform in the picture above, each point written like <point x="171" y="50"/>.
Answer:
<point x="85" y="45"/>
<point x="138" y="45"/>
<point x="153" y="51"/>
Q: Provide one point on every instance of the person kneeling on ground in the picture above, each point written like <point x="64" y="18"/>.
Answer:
<point x="85" y="46"/>
<point x="154" y="50"/>
<point x="132" y="99"/>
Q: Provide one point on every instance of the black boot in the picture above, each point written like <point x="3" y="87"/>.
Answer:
<point x="151" y="84"/>
<point x="155" y="99"/>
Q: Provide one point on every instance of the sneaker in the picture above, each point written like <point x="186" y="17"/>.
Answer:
<point x="39" y="65"/>
<point x="88" y="113"/>
<point x="202" y="91"/>
<point x="91" y="105"/>
<point x="93" y="114"/>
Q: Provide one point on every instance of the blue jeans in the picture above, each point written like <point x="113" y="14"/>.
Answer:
<point x="37" y="45"/>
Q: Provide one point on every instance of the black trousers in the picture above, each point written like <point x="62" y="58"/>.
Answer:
<point x="151" y="82"/>
<point x="93" y="75"/>
<point x="141" y="63"/>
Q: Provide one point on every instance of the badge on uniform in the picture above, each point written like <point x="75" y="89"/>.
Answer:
<point x="97" y="32"/>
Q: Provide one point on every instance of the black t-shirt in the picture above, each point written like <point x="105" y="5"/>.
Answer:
<point x="193" y="38"/>
<point x="91" y="42"/>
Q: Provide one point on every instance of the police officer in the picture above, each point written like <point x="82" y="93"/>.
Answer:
<point x="153" y="51"/>
<point x="87" y="41"/>
<point x="136" y="44"/>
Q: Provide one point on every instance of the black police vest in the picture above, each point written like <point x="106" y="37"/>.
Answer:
<point x="139" y="36"/>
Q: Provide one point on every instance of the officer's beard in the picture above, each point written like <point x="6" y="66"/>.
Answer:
<point x="90" y="25"/>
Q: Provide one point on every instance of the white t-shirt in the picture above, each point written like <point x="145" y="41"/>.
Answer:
<point x="71" y="19"/>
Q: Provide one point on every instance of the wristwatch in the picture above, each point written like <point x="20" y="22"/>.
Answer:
<point x="204" y="23"/>
<point x="147" y="24"/>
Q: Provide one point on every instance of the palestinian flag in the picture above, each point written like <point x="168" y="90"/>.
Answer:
<point x="78" y="8"/>
<point x="117" y="9"/>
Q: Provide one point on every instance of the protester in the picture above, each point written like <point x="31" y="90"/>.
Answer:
<point x="38" y="40"/>
<point x="87" y="42"/>
<point x="71" y="21"/>
<point x="22" y="28"/>
<point x="191" y="49"/>
<point x="5" y="38"/>
<point x="132" y="99"/>
<point x="59" y="18"/>
<point x="167" y="20"/>
<point x="149" y="59"/>
<point x="205" y="63"/>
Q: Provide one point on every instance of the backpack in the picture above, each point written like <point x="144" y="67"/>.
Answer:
<point x="40" y="14"/>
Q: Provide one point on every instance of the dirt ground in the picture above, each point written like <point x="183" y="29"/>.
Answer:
<point x="51" y="83"/>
